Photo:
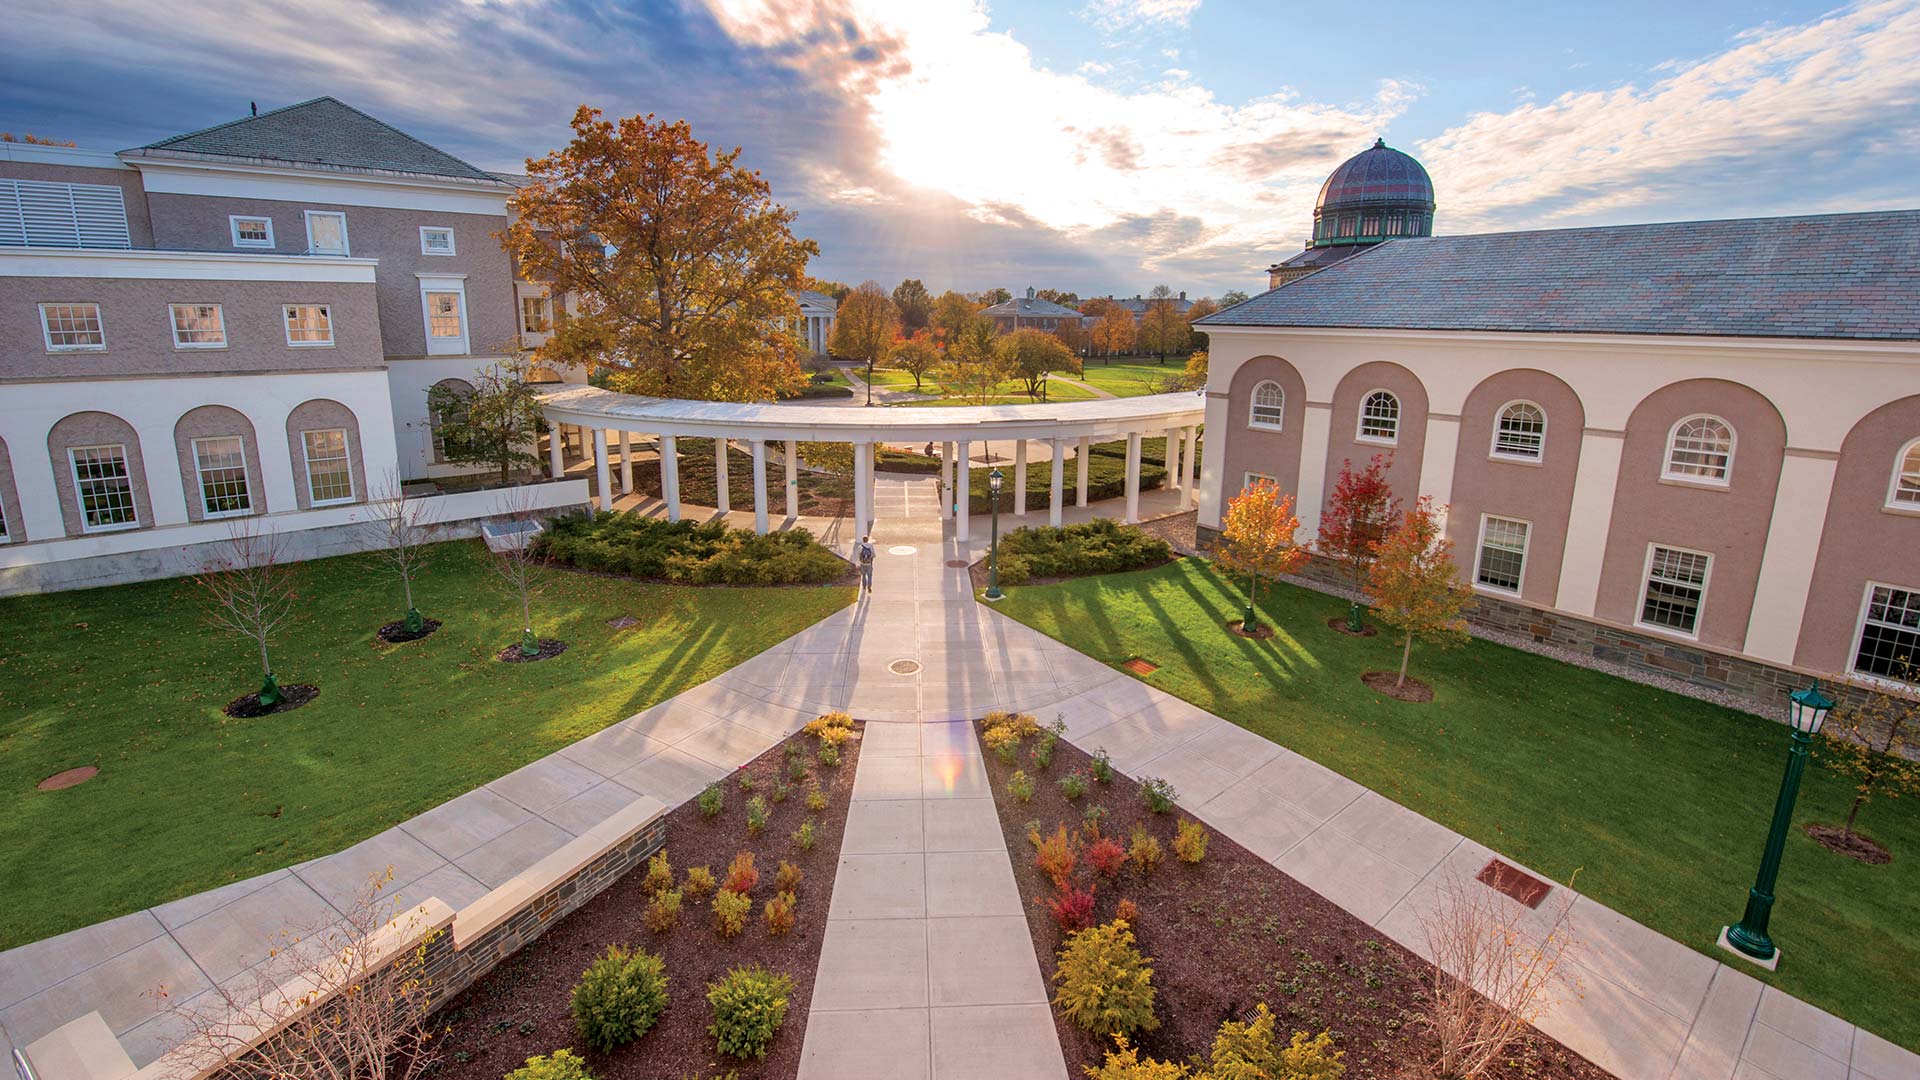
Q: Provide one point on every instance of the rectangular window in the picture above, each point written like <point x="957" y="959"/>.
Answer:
<point x="1247" y="480"/>
<point x="533" y="314"/>
<point x="41" y="213"/>
<point x="1675" y="588"/>
<point x="3" y="523"/>
<point x="309" y="325"/>
<point x="329" y="473"/>
<point x="436" y="240"/>
<point x="72" y="327"/>
<point x="1503" y="553"/>
<point x="443" y="315"/>
<point x="104" y="488"/>
<point x="198" y="326"/>
<point x="222" y="466"/>
<point x="326" y="232"/>
<point x="1890" y="634"/>
<point x="251" y="230"/>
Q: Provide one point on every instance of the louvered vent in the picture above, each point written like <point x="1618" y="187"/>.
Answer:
<point x="37" y="213"/>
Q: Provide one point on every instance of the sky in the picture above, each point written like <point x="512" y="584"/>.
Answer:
<point x="1097" y="146"/>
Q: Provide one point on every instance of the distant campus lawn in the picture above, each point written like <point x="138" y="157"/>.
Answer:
<point x="1661" y="802"/>
<point x="128" y="679"/>
<point x="1131" y="376"/>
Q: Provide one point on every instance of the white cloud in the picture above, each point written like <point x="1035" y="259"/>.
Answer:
<point x="1117" y="15"/>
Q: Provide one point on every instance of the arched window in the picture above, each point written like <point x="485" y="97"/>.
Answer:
<point x="1269" y="406"/>
<point x="447" y="408"/>
<point x="1380" y="417"/>
<point x="1906" y="477"/>
<point x="1700" y="448"/>
<point x="1520" y="431"/>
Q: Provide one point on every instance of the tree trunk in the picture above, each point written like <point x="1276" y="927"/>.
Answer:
<point x="266" y="666"/>
<point x="1406" y="654"/>
<point x="1858" y="802"/>
<point x="1252" y="621"/>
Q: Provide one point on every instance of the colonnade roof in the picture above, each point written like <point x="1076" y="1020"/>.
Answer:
<point x="1104" y="418"/>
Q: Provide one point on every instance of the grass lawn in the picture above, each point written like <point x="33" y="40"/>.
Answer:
<point x="1660" y="802"/>
<point x="127" y="678"/>
<point x="1131" y="377"/>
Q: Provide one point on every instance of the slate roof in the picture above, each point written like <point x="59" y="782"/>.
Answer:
<point x="324" y="132"/>
<point x="1031" y="308"/>
<point x="1851" y="276"/>
<point x="810" y="298"/>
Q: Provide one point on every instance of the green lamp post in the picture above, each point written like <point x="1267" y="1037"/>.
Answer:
<point x="1748" y="938"/>
<point x="994" y="480"/>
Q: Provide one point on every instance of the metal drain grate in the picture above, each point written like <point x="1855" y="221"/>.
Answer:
<point x="1511" y="881"/>
<point x="1141" y="667"/>
<point x="904" y="667"/>
<point x="623" y="622"/>
<point x="958" y="564"/>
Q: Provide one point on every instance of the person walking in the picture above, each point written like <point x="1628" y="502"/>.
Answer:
<point x="863" y="553"/>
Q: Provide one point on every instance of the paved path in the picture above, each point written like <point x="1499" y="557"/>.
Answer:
<point x="1087" y="386"/>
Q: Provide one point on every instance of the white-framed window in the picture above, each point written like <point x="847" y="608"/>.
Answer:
<point x="198" y="326"/>
<point x="1674" y="589"/>
<point x="436" y="240"/>
<point x="4" y="536"/>
<point x="1247" y="480"/>
<point x="72" y="327"/>
<point x="443" y="316"/>
<point x="326" y="232"/>
<point x="1269" y="407"/>
<point x="1520" y="431"/>
<point x="533" y="315"/>
<point x="221" y="464"/>
<point x="1700" y="450"/>
<point x="1502" y="562"/>
<point x="443" y="310"/>
<point x="1905" y="492"/>
<point x="329" y="470"/>
<point x="1380" y="417"/>
<point x="103" y="488"/>
<point x="1888" y="645"/>
<point x="309" y="325"/>
<point x="250" y="230"/>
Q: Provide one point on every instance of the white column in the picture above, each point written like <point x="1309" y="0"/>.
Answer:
<point x="1133" y="477"/>
<point x="1020" y="477"/>
<point x="963" y="490"/>
<point x="626" y="462"/>
<point x="793" y="478"/>
<point x="722" y="496"/>
<point x="946" y="479"/>
<point x="670" y="475"/>
<point x="556" y="451"/>
<point x="1189" y="457"/>
<point x="862" y="490"/>
<point x="873" y="480"/>
<point x="1588" y="519"/>
<point x="601" y="473"/>
<point x="1080" y="471"/>
<point x="1786" y="568"/>
<point x="760" y="486"/>
<point x="1056" y="481"/>
<point x="1314" y="432"/>
<point x="1171" y="460"/>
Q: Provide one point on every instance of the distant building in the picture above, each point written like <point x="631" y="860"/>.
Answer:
<point x="817" y="312"/>
<point x="1031" y="313"/>
<point x="1139" y="305"/>
<point x="1378" y="194"/>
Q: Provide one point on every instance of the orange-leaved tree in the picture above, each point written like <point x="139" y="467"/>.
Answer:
<point x="865" y="327"/>
<point x="1359" y="514"/>
<point x="1257" y="539"/>
<point x="679" y="266"/>
<point x="917" y="356"/>
<point x="1415" y="586"/>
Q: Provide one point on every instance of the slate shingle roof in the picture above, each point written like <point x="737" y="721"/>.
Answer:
<point x="1823" y="276"/>
<point x="1031" y="308"/>
<point x="323" y="132"/>
<point x="810" y="298"/>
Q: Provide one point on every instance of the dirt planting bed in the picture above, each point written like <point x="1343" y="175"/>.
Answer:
<point x="1228" y="933"/>
<point x="521" y="1008"/>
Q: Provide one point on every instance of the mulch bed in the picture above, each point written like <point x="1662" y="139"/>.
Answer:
<point x="292" y="696"/>
<point x="1260" y="633"/>
<point x="521" y="1007"/>
<point x="1854" y="846"/>
<point x="67" y="778"/>
<point x="1338" y="624"/>
<point x="1233" y="931"/>
<point x="395" y="633"/>
<point x="549" y="648"/>
<point x="1383" y="682"/>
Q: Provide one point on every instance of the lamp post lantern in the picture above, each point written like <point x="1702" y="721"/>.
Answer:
<point x="994" y="480"/>
<point x="1748" y="938"/>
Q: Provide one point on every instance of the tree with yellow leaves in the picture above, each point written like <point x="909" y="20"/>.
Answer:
<point x="1414" y="585"/>
<point x="1256" y="539"/>
<point x="917" y="356"/>
<point x="1113" y="335"/>
<point x="865" y="328"/>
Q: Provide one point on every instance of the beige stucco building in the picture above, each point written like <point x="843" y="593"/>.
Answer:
<point x="1691" y="447"/>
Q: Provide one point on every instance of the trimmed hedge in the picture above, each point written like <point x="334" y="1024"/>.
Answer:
<point x="688" y="554"/>
<point x="1099" y="546"/>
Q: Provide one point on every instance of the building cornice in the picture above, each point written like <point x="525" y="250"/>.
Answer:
<point x="182" y="265"/>
<point x="1855" y="348"/>
<point x="70" y="156"/>
<point x="258" y="180"/>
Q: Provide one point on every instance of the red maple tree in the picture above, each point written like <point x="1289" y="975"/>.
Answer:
<point x="1360" y="513"/>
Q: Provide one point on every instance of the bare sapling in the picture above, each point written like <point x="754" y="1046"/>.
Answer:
<point x="1497" y="968"/>
<point x="249" y="589"/>
<point x="521" y="565"/>
<point x="397" y="536"/>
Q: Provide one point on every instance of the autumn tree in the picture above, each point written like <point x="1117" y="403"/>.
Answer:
<point x="917" y="356"/>
<point x="1064" y="299"/>
<point x="1113" y="335"/>
<point x="974" y="369"/>
<point x="1257" y="539"/>
<point x="496" y="423"/>
<point x="680" y="264"/>
<point x="1163" y="329"/>
<point x="991" y="297"/>
<point x="1232" y="297"/>
<point x="1203" y="307"/>
<point x="838" y="290"/>
<point x="865" y="327"/>
<point x="915" y="305"/>
<point x="1360" y="512"/>
<point x="1871" y="743"/>
<point x="1195" y="375"/>
<point x="1031" y="355"/>
<point x="249" y="589"/>
<point x="950" y="314"/>
<point x="1415" y="586"/>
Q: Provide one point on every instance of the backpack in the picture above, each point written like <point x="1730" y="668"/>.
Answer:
<point x="866" y="553"/>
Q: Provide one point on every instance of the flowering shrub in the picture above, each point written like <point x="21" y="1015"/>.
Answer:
<point x="1158" y="794"/>
<point x="730" y="912"/>
<point x="786" y="879"/>
<point x="1104" y="983"/>
<point x="713" y="799"/>
<point x="741" y="876"/>
<point x="699" y="883"/>
<point x="1190" y="844"/>
<point x="663" y="910"/>
<point x="619" y="998"/>
<point x="749" y="1005"/>
<point x="659" y="874"/>
<point x="1071" y="908"/>
<point x="1144" y="851"/>
<point x="779" y="914"/>
<point x="1020" y="786"/>
<point x="1106" y="856"/>
<point x="1055" y="856"/>
<point x="1102" y="767"/>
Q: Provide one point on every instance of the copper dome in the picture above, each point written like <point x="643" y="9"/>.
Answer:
<point x="1377" y="194"/>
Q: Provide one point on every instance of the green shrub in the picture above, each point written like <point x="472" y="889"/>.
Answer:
<point x="1106" y="478"/>
<point x="1158" y="794"/>
<point x="803" y="836"/>
<point x="1125" y="1063"/>
<point x="1020" y="785"/>
<point x="713" y="799"/>
<point x="1104" y="984"/>
<point x="1102" y="767"/>
<point x="1073" y="785"/>
<point x="816" y="798"/>
<point x="686" y="553"/>
<point x="730" y="912"/>
<point x="663" y="910"/>
<point x="779" y="792"/>
<point x="829" y="755"/>
<point x="756" y="815"/>
<point x="1312" y="1059"/>
<point x="749" y="1005"/>
<point x="659" y="874"/>
<point x="560" y="1065"/>
<point x="797" y="762"/>
<point x="619" y="998"/>
<point x="1247" y="1051"/>
<point x="748" y="783"/>
<point x="700" y="883"/>
<point x="1100" y="546"/>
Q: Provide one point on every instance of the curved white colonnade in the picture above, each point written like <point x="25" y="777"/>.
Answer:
<point x="1079" y="423"/>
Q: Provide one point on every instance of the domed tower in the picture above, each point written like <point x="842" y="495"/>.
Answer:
<point x="1378" y="194"/>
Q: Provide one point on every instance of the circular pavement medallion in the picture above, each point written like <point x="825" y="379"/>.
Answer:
<point x="69" y="778"/>
<point x="904" y="667"/>
<point x="958" y="564"/>
<point x="902" y="549"/>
